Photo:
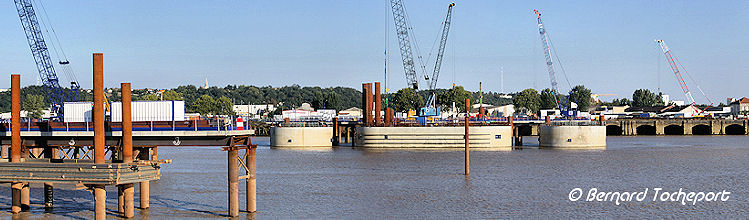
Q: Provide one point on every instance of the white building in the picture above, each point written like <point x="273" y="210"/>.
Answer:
<point x="253" y="110"/>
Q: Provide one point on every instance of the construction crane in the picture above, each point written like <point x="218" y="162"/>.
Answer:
<point x="675" y="68"/>
<point x="34" y="35"/>
<point x="441" y="49"/>
<point x="402" y="28"/>
<point x="562" y="105"/>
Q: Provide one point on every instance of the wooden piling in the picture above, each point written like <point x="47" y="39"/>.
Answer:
<point x="51" y="153"/>
<point x="377" y="107"/>
<point x="100" y="194"/>
<point x="127" y="191"/>
<point x="145" y="186"/>
<point x="25" y="196"/>
<point x="467" y="150"/>
<point x="15" y="155"/>
<point x="233" y="182"/>
<point x="251" y="179"/>
<point x="336" y="132"/>
<point x="348" y="134"/>
<point x="368" y="105"/>
<point x="364" y="103"/>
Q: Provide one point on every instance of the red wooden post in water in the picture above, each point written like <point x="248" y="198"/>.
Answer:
<point x="378" y="98"/>
<point x="468" y="111"/>
<point x="127" y="191"/>
<point x="15" y="147"/>
<point x="251" y="178"/>
<point x="100" y="194"/>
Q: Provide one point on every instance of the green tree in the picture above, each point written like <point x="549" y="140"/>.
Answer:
<point x="548" y="100"/>
<point x="204" y="105"/>
<point x="149" y="97"/>
<point x="456" y="95"/>
<point x="170" y="95"/>
<point x="581" y="96"/>
<point x="643" y="98"/>
<point x="224" y="106"/>
<point x="407" y="99"/>
<point x="33" y="104"/>
<point x="659" y="99"/>
<point x="528" y="99"/>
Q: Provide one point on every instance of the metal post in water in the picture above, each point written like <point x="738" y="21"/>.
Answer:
<point x="251" y="178"/>
<point x="467" y="150"/>
<point x="336" y="132"/>
<point x="145" y="185"/>
<point x="364" y="103"/>
<point x="378" y="98"/>
<point x="369" y="105"/>
<point x="49" y="198"/>
<point x="233" y="182"/>
<point x="100" y="194"/>
<point x="15" y="93"/>
<point x="128" y="190"/>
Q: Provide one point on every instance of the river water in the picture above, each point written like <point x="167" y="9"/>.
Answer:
<point x="355" y="183"/>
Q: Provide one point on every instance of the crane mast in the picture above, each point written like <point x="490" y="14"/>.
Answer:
<point x="675" y="68"/>
<point x="550" y="64"/>
<point x="401" y="28"/>
<point x="677" y="73"/>
<point x="441" y="49"/>
<point x="40" y="52"/>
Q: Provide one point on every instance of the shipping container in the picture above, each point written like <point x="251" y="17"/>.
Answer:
<point x="151" y="111"/>
<point x="78" y="111"/>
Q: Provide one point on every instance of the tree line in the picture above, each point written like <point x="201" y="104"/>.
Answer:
<point x="220" y="100"/>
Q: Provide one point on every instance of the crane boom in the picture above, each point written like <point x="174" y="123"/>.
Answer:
<point x="675" y="68"/>
<point x="441" y="49"/>
<point x="40" y="52"/>
<point x="401" y="28"/>
<point x="549" y="63"/>
<point x="677" y="73"/>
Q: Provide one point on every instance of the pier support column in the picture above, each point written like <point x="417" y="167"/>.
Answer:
<point x="25" y="194"/>
<point x="100" y="209"/>
<point x="100" y="195"/>
<point x="369" y="105"/>
<point x="51" y="153"/>
<point x="251" y="179"/>
<point x="377" y="107"/>
<point x="127" y="191"/>
<point x="364" y="99"/>
<point x="467" y="149"/>
<point x="336" y="132"/>
<point x="233" y="182"/>
<point x="145" y="185"/>
<point x="15" y="121"/>
<point x="346" y="130"/>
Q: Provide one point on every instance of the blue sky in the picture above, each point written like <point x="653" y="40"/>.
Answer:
<point x="607" y="46"/>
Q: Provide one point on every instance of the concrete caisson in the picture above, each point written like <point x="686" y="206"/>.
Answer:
<point x="572" y="136"/>
<point x="433" y="137"/>
<point x="301" y="136"/>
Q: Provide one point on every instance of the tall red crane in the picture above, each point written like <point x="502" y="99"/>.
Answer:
<point x="674" y="63"/>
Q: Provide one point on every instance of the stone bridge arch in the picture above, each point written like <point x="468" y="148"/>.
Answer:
<point x="702" y="129"/>
<point x="673" y="129"/>
<point x="614" y="130"/>
<point x="645" y="129"/>
<point x="734" y="129"/>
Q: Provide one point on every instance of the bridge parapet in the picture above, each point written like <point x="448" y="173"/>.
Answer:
<point x="676" y="126"/>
